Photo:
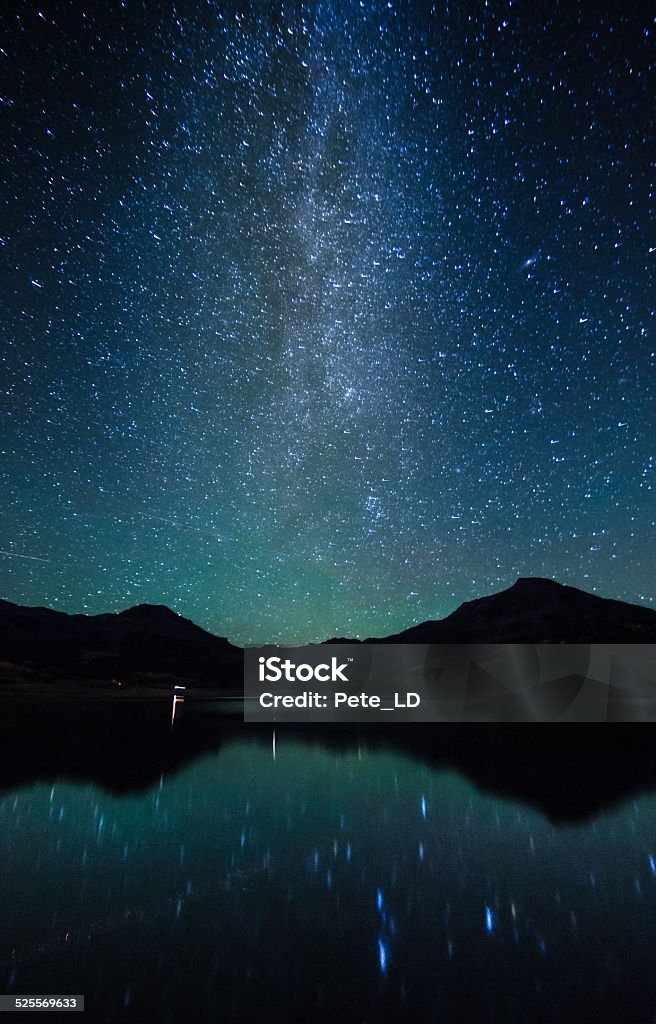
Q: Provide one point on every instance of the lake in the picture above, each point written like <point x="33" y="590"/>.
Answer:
<point x="299" y="882"/>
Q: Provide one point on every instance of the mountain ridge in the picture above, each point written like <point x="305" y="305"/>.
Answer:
<point x="533" y="609"/>
<point x="537" y="610"/>
<point x="152" y="644"/>
<point x="147" y="643"/>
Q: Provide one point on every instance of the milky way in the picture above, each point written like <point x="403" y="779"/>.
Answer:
<point x="319" y="319"/>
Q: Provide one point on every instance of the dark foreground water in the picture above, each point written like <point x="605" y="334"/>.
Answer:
<point x="310" y="884"/>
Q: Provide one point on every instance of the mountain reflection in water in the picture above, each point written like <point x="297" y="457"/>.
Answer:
<point x="320" y="884"/>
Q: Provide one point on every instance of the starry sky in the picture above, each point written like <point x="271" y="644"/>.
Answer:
<point x="321" y="318"/>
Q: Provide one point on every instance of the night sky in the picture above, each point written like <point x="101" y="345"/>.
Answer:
<point x="321" y="318"/>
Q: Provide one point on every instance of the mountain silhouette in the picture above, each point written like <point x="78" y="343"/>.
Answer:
<point x="536" y="610"/>
<point x="150" y="644"/>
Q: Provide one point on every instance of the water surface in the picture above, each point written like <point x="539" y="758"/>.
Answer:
<point x="300" y="883"/>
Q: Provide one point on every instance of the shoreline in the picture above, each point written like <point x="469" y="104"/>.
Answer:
<point x="55" y="693"/>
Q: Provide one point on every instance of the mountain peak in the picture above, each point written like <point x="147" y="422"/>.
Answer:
<point x="149" y="611"/>
<point x="533" y="582"/>
<point x="538" y="610"/>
